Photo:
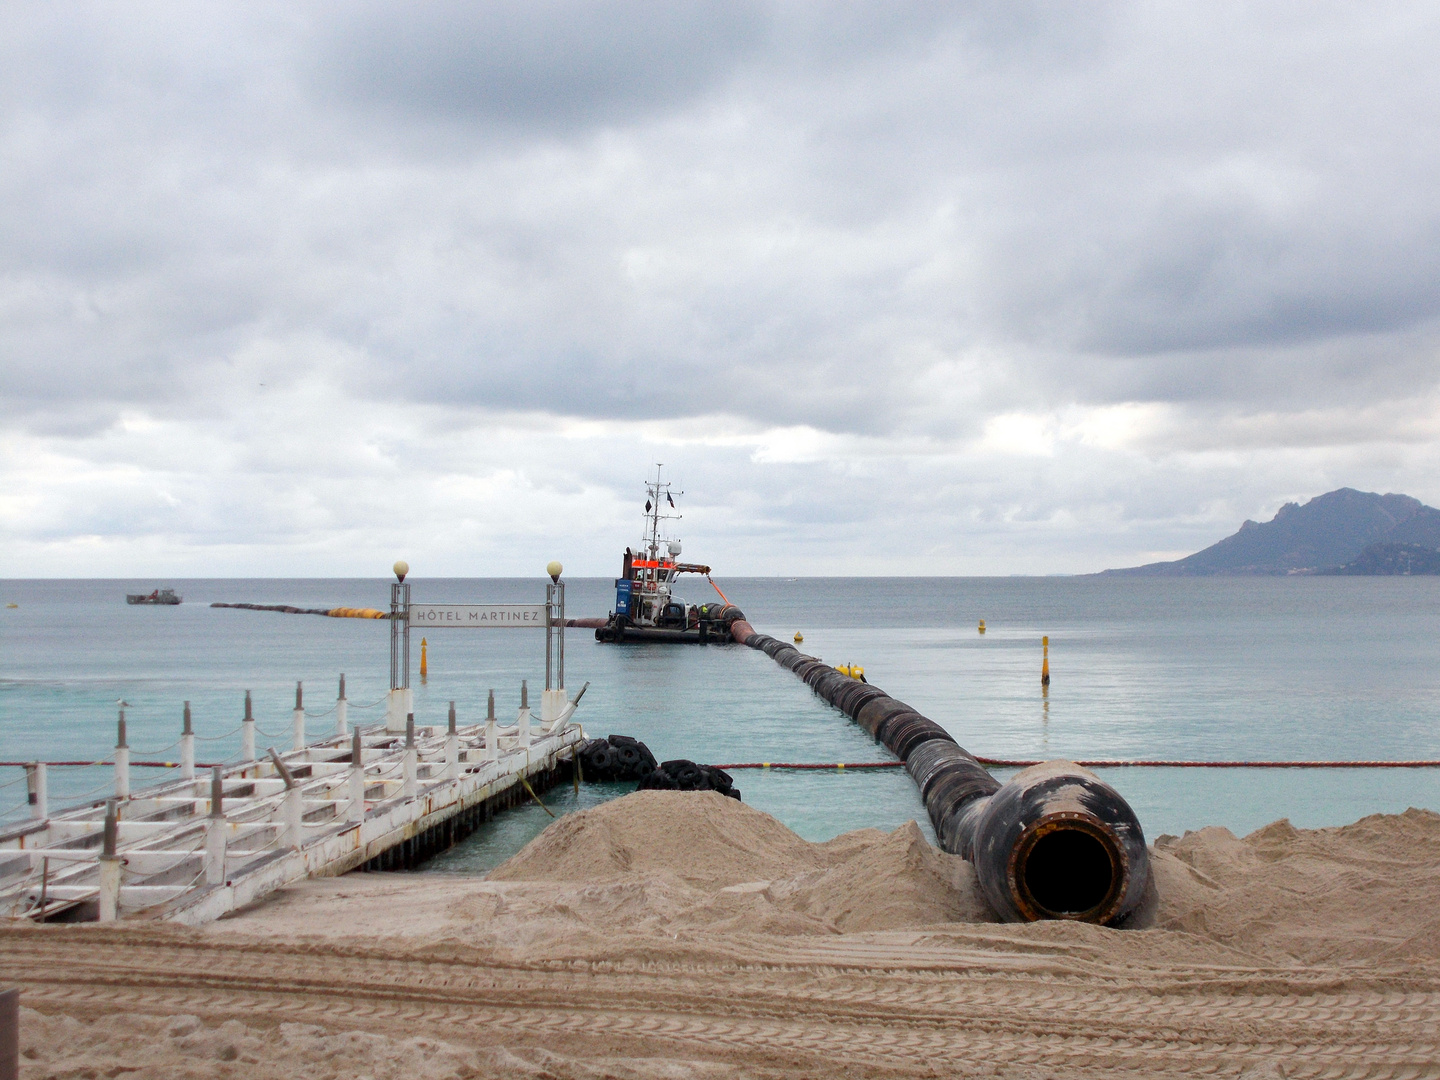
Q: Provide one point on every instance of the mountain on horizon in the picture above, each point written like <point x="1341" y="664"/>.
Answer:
<point x="1329" y="533"/>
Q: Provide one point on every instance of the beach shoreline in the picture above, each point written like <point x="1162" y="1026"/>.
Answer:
<point x="683" y="934"/>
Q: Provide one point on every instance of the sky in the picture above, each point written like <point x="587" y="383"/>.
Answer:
<point x="297" y="289"/>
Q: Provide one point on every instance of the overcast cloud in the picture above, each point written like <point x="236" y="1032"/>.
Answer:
<point x="890" y="288"/>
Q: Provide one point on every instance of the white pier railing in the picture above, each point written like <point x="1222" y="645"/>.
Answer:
<point x="192" y="849"/>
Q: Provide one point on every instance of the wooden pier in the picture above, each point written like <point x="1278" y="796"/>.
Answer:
<point x="192" y="849"/>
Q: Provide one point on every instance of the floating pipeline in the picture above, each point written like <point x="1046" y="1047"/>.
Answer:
<point x="1056" y="842"/>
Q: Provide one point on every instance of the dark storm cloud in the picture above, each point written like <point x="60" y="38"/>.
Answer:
<point x="546" y="65"/>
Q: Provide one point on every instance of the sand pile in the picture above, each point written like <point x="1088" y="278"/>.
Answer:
<point x="1362" y="893"/>
<point x="700" y="837"/>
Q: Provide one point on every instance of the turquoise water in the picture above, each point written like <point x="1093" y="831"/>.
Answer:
<point x="1328" y="668"/>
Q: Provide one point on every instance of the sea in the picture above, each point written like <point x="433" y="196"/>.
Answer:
<point x="1218" y="669"/>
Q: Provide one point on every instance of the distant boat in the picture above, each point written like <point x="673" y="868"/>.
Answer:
<point x="159" y="596"/>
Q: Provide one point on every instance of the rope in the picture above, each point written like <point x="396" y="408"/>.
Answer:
<point x="217" y="738"/>
<point x="1099" y="763"/>
<point x="152" y="873"/>
<point x="10" y="783"/>
<point x="372" y="704"/>
<point x="152" y="753"/>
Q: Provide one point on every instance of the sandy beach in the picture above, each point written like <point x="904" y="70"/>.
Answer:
<point x="688" y="935"/>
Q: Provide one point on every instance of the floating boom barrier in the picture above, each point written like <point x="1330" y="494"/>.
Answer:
<point x="366" y="613"/>
<point x="1055" y="842"/>
<point x="334" y="613"/>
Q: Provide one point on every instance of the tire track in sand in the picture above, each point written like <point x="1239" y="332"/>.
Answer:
<point x="886" y="1016"/>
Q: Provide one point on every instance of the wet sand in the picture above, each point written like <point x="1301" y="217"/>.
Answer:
<point x="686" y="935"/>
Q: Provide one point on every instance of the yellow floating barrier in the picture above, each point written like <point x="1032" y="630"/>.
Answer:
<point x="357" y="613"/>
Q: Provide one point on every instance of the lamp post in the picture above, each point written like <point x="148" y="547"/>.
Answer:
<point x="400" y="704"/>
<point x="552" y="701"/>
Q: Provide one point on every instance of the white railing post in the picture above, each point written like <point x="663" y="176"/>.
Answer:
<point x="122" y="762"/>
<point x="292" y="807"/>
<point x="299" y="716"/>
<point x="110" y="866"/>
<point x="492" y="739"/>
<point x="356" y="809"/>
<point x="38" y="790"/>
<point x="452" y="747"/>
<point x="342" y="710"/>
<point x="411" y="784"/>
<point x="247" y="733"/>
<point x="187" y="747"/>
<point x="215" y="828"/>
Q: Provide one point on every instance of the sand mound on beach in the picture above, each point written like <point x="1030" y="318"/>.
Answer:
<point x="741" y="868"/>
<point x="697" y="836"/>
<point x="1358" y="893"/>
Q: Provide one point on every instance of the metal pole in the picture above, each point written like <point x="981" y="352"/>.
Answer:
<point x="492" y="740"/>
<point x="411" y="783"/>
<point x="549" y="632"/>
<point x="342" y="709"/>
<point x="299" y="716"/>
<point x="38" y="793"/>
<point x="9" y="1034"/>
<point x="356" y="811"/>
<point x="122" y="762"/>
<point x="452" y="747"/>
<point x="560" y="643"/>
<point x="247" y="732"/>
<point x="215" y="831"/>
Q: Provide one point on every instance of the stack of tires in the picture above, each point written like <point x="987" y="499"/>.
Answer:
<point x="950" y="780"/>
<point x="683" y="775"/>
<point x="617" y="758"/>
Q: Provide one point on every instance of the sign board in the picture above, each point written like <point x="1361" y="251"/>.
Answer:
<point x="483" y="616"/>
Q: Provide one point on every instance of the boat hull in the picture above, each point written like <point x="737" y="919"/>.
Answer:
<point x="618" y="633"/>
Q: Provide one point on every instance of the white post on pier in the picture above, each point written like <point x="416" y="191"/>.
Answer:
<point x="38" y="789"/>
<point x="452" y="747"/>
<point x="122" y="760"/>
<point x="342" y="709"/>
<point x="492" y="737"/>
<point x="187" y="747"/>
<point x="522" y="722"/>
<point x="401" y="702"/>
<point x="110" y="866"/>
<point x="356" y="810"/>
<point x="411" y="760"/>
<point x="247" y="733"/>
<point x="299" y="716"/>
<point x="292" y="807"/>
<point x="215" y="831"/>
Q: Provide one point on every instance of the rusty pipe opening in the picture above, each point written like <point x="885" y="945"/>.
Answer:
<point x="1068" y="867"/>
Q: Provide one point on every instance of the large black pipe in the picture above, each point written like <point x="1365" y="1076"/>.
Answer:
<point x="1056" y="842"/>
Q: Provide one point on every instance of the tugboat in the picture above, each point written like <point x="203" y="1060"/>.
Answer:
<point x="645" y="607"/>
<point x="159" y="596"/>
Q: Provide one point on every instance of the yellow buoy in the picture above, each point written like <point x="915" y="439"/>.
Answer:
<point x="424" y="664"/>
<point x="799" y="637"/>
<point x="982" y="626"/>
<point x="1045" y="663"/>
